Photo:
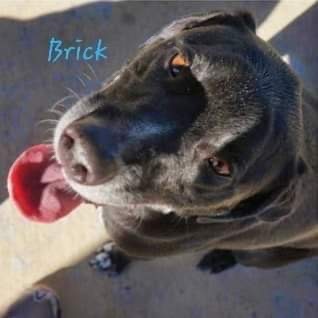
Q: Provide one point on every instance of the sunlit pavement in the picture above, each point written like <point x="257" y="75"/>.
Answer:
<point x="29" y="85"/>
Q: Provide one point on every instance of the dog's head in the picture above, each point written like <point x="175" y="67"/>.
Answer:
<point x="203" y="120"/>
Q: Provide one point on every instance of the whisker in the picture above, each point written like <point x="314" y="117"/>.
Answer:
<point x="187" y="224"/>
<point x="48" y="141"/>
<point x="46" y="121"/>
<point x="139" y="222"/>
<point x="87" y="76"/>
<point x="60" y="101"/>
<point x="92" y="70"/>
<point x="76" y="195"/>
<point x="69" y="190"/>
<point x="53" y="157"/>
<point x="178" y="219"/>
<point x="50" y="130"/>
<point x="81" y="81"/>
<point x="138" y="219"/>
<point x="74" y="93"/>
<point x="56" y="112"/>
<point x="62" y="107"/>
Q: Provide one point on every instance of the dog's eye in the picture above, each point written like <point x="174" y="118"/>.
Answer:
<point x="177" y="64"/>
<point x="221" y="167"/>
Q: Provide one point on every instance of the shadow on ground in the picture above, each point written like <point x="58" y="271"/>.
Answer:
<point x="29" y="85"/>
<point x="167" y="287"/>
<point x="300" y="41"/>
<point x="173" y="287"/>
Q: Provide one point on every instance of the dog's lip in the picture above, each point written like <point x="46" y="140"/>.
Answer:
<point x="91" y="202"/>
<point x="221" y="215"/>
<point x="224" y="216"/>
<point x="229" y="215"/>
<point x="128" y="205"/>
<point x="247" y="209"/>
<point x="243" y="211"/>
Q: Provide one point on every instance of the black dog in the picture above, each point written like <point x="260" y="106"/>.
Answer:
<point x="204" y="140"/>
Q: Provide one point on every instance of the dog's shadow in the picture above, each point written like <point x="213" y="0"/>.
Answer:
<point x="174" y="287"/>
<point x="169" y="287"/>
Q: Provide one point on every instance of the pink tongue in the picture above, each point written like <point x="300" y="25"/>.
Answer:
<point x="37" y="186"/>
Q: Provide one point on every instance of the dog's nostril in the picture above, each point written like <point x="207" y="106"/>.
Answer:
<point x="79" y="172"/>
<point x="67" y="141"/>
<point x="83" y="156"/>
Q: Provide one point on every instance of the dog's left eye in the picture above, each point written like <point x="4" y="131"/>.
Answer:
<point x="177" y="64"/>
<point x="220" y="166"/>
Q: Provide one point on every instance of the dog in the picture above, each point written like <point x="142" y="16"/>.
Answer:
<point x="204" y="141"/>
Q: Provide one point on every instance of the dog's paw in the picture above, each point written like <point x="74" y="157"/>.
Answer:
<point x="109" y="260"/>
<point x="217" y="261"/>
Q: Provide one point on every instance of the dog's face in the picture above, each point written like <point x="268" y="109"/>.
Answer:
<point x="196" y="123"/>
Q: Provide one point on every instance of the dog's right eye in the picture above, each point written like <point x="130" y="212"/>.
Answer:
<point x="177" y="64"/>
<point x="220" y="166"/>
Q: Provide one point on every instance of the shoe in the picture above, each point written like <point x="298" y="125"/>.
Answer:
<point x="37" y="302"/>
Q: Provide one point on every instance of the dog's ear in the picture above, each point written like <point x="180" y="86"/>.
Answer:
<point x="238" y="19"/>
<point x="248" y="20"/>
<point x="241" y="20"/>
<point x="284" y="202"/>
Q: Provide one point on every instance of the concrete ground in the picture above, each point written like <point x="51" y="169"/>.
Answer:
<point x="57" y="254"/>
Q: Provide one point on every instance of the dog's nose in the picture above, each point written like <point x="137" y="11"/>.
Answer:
<point x="82" y="158"/>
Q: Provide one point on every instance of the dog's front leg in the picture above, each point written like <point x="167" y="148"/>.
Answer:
<point x="110" y="260"/>
<point x="217" y="261"/>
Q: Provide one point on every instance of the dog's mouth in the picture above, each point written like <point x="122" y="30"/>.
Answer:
<point x="38" y="188"/>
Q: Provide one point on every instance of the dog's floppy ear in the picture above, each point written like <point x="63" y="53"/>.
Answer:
<point x="284" y="202"/>
<point x="238" y="19"/>
<point x="241" y="20"/>
<point x="248" y="20"/>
